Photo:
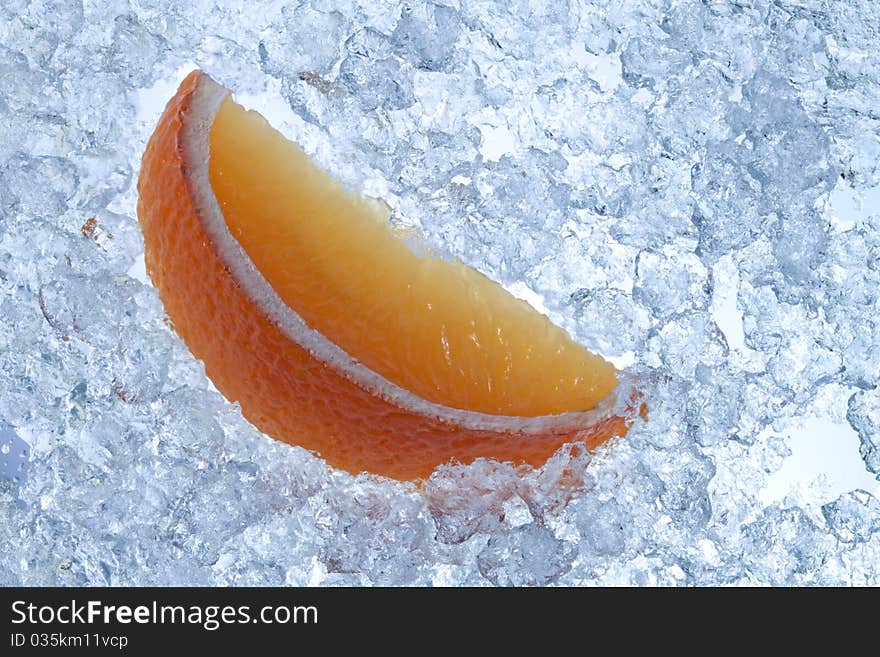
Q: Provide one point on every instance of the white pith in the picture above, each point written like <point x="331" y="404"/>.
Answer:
<point x="194" y="147"/>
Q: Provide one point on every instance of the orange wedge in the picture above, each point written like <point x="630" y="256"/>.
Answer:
<point x="329" y="330"/>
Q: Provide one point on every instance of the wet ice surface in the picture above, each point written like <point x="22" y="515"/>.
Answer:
<point x="689" y="187"/>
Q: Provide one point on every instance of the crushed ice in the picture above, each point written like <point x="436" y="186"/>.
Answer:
<point x="690" y="187"/>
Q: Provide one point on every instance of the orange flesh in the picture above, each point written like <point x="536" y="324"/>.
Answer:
<point x="437" y="328"/>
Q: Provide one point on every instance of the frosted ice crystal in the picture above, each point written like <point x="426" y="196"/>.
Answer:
<point x="690" y="188"/>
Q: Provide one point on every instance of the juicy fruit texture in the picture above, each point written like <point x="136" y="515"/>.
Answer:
<point x="291" y="392"/>
<point x="439" y="329"/>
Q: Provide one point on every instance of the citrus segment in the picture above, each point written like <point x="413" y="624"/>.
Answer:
<point x="257" y="297"/>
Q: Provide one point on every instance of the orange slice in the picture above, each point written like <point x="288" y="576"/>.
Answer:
<point x="328" y="329"/>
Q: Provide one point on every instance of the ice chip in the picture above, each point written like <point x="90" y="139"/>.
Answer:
<point x="853" y="517"/>
<point x="669" y="282"/>
<point x="527" y="556"/>
<point x="426" y="33"/>
<point x="606" y="527"/>
<point x="135" y="49"/>
<point x="463" y="501"/>
<point x="610" y="320"/>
